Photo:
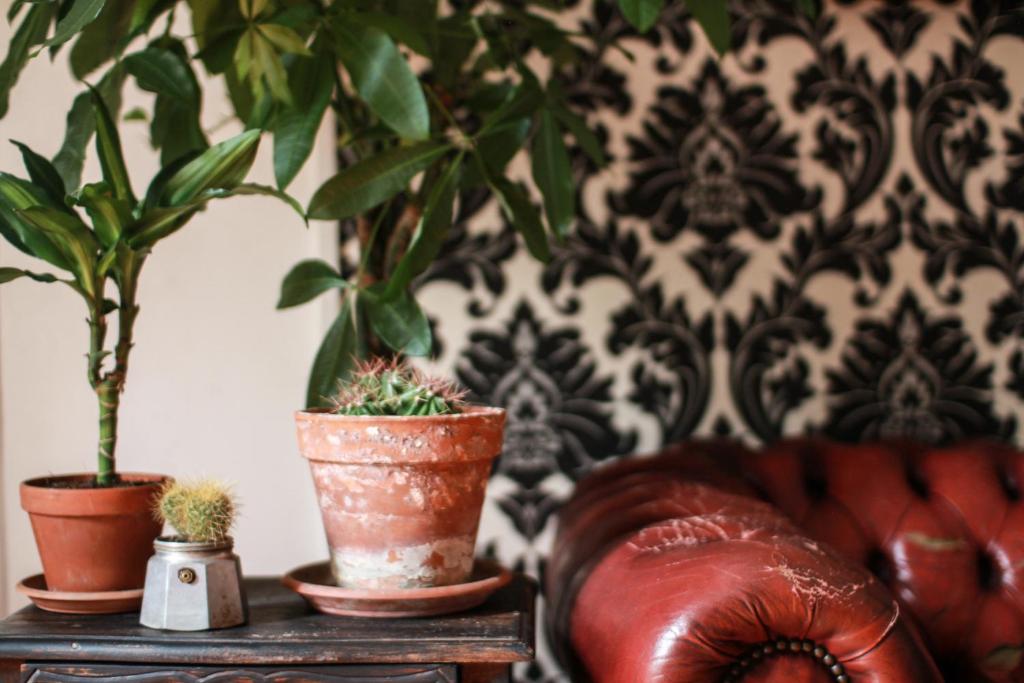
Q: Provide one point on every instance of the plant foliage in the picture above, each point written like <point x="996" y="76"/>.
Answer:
<point x="101" y="234"/>
<point x="429" y="97"/>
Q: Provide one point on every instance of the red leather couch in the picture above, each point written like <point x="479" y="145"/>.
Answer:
<point x="806" y="561"/>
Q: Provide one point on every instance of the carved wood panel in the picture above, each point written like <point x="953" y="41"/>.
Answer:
<point x="319" y="674"/>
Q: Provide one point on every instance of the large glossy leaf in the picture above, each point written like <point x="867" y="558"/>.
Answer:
<point x="17" y="195"/>
<point x="108" y="147"/>
<point x="713" y="17"/>
<point x="29" y="33"/>
<point x="223" y="166"/>
<point x="372" y="181"/>
<point x="399" y="322"/>
<point x="337" y="354"/>
<point x="42" y="173"/>
<point x="382" y="77"/>
<point x="8" y="274"/>
<point x="312" y="82"/>
<point x="523" y="215"/>
<point x="644" y="13"/>
<point x="308" y="280"/>
<point x="430" y="233"/>
<point x="103" y="38"/>
<point x="80" y="14"/>
<point x="81" y="124"/>
<point x="553" y="174"/>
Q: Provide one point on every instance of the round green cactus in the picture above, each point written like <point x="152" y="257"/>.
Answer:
<point x="393" y="388"/>
<point x="201" y="512"/>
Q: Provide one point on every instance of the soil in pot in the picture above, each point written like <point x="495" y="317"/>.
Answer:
<point x="401" y="496"/>
<point x="93" y="538"/>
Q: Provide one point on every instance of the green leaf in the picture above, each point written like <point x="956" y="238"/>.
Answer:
<point x="163" y="72"/>
<point x="161" y="221"/>
<point x="336" y="356"/>
<point x="497" y="148"/>
<point x="15" y="196"/>
<point x="30" y="32"/>
<point x="430" y="233"/>
<point x="8" y="274"/>
<point x="713" y="17"/>
<point x="175" y="128"/>
<point x="43" y="174"/>
<point x="524" y="217"/>
<point x="382" y="77"/>
<point x="286" y="39"/>
<point x="73" y="238"/>
<point x="81" y="13"/>
<point x="308" y="280"/>
<point x="643" y="14"/>
<point x="102" y="39"/>
<point x="580" y="131"/>
<point x="267" y="66"/>
<point x="399" y="322"/>
<point x="108" y="147"/>
<point x="372" y="181"/>
<point x="523" y="101"/>
<point x="223" y="166"/>
<point x="155" y="191"/>
<point x="553" y="175"/>
<point x="145" y="12"/>
<point x="399" y="28"/>
<point x="109" y="214"/>
<point x="255" y="189"/>
<point x="81" y="124"/>
<point x="312" y="82"/>
<point x="158" y="223"/>
<point x="215" y="26"/>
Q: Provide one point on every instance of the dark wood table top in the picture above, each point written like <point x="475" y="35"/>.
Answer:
<point x="282" y="629"/>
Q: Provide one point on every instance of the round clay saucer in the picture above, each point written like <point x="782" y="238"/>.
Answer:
<point x="102" y="602"/>
<point x="315" y="583"/>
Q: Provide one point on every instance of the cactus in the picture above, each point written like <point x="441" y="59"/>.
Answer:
<point x="381" y="387"/>
<point x="201" y="512"/>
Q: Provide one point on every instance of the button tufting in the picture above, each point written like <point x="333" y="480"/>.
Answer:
<point x="760" y="652"/>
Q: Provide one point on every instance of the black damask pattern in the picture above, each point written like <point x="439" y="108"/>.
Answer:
<point x="821" y="232"/>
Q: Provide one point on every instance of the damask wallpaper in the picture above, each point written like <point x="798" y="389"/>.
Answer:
<point x="821" y="232"/>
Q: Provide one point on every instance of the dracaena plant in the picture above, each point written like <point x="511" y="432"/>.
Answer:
<point x="100" y="235"/>
<point x="430" y="98"/>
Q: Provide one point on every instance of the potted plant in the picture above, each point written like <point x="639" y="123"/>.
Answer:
<point x="94" y="531"/>
<point x="194" y="580"/>
<point x="400" y="463"/>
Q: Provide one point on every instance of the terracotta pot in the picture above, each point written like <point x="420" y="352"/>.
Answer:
<point x="93" y="539"/>
<point x="401" y="496"/>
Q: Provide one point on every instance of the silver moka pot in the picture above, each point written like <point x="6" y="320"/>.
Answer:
<point x="193" y="586"/>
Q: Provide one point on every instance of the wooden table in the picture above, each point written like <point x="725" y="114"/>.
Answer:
<point x="284" y="642"/>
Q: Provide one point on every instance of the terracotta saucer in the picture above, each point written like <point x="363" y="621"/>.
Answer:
<point x="315" y="583"/>
<point x="103" y="602"/>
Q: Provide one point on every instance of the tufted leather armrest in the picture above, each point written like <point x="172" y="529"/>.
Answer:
<point x="668" y="569"/>
<point x="944" y="528"/>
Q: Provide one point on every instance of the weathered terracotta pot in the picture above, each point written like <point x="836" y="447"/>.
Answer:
<point x="401" y="496"/>
<point x="93" y="539"/>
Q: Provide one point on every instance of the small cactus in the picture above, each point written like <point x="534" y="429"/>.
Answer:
<point x="201" y="512"/>
<point x="381" y="387"/>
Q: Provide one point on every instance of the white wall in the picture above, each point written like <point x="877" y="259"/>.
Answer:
<point x="216" y="371"/>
